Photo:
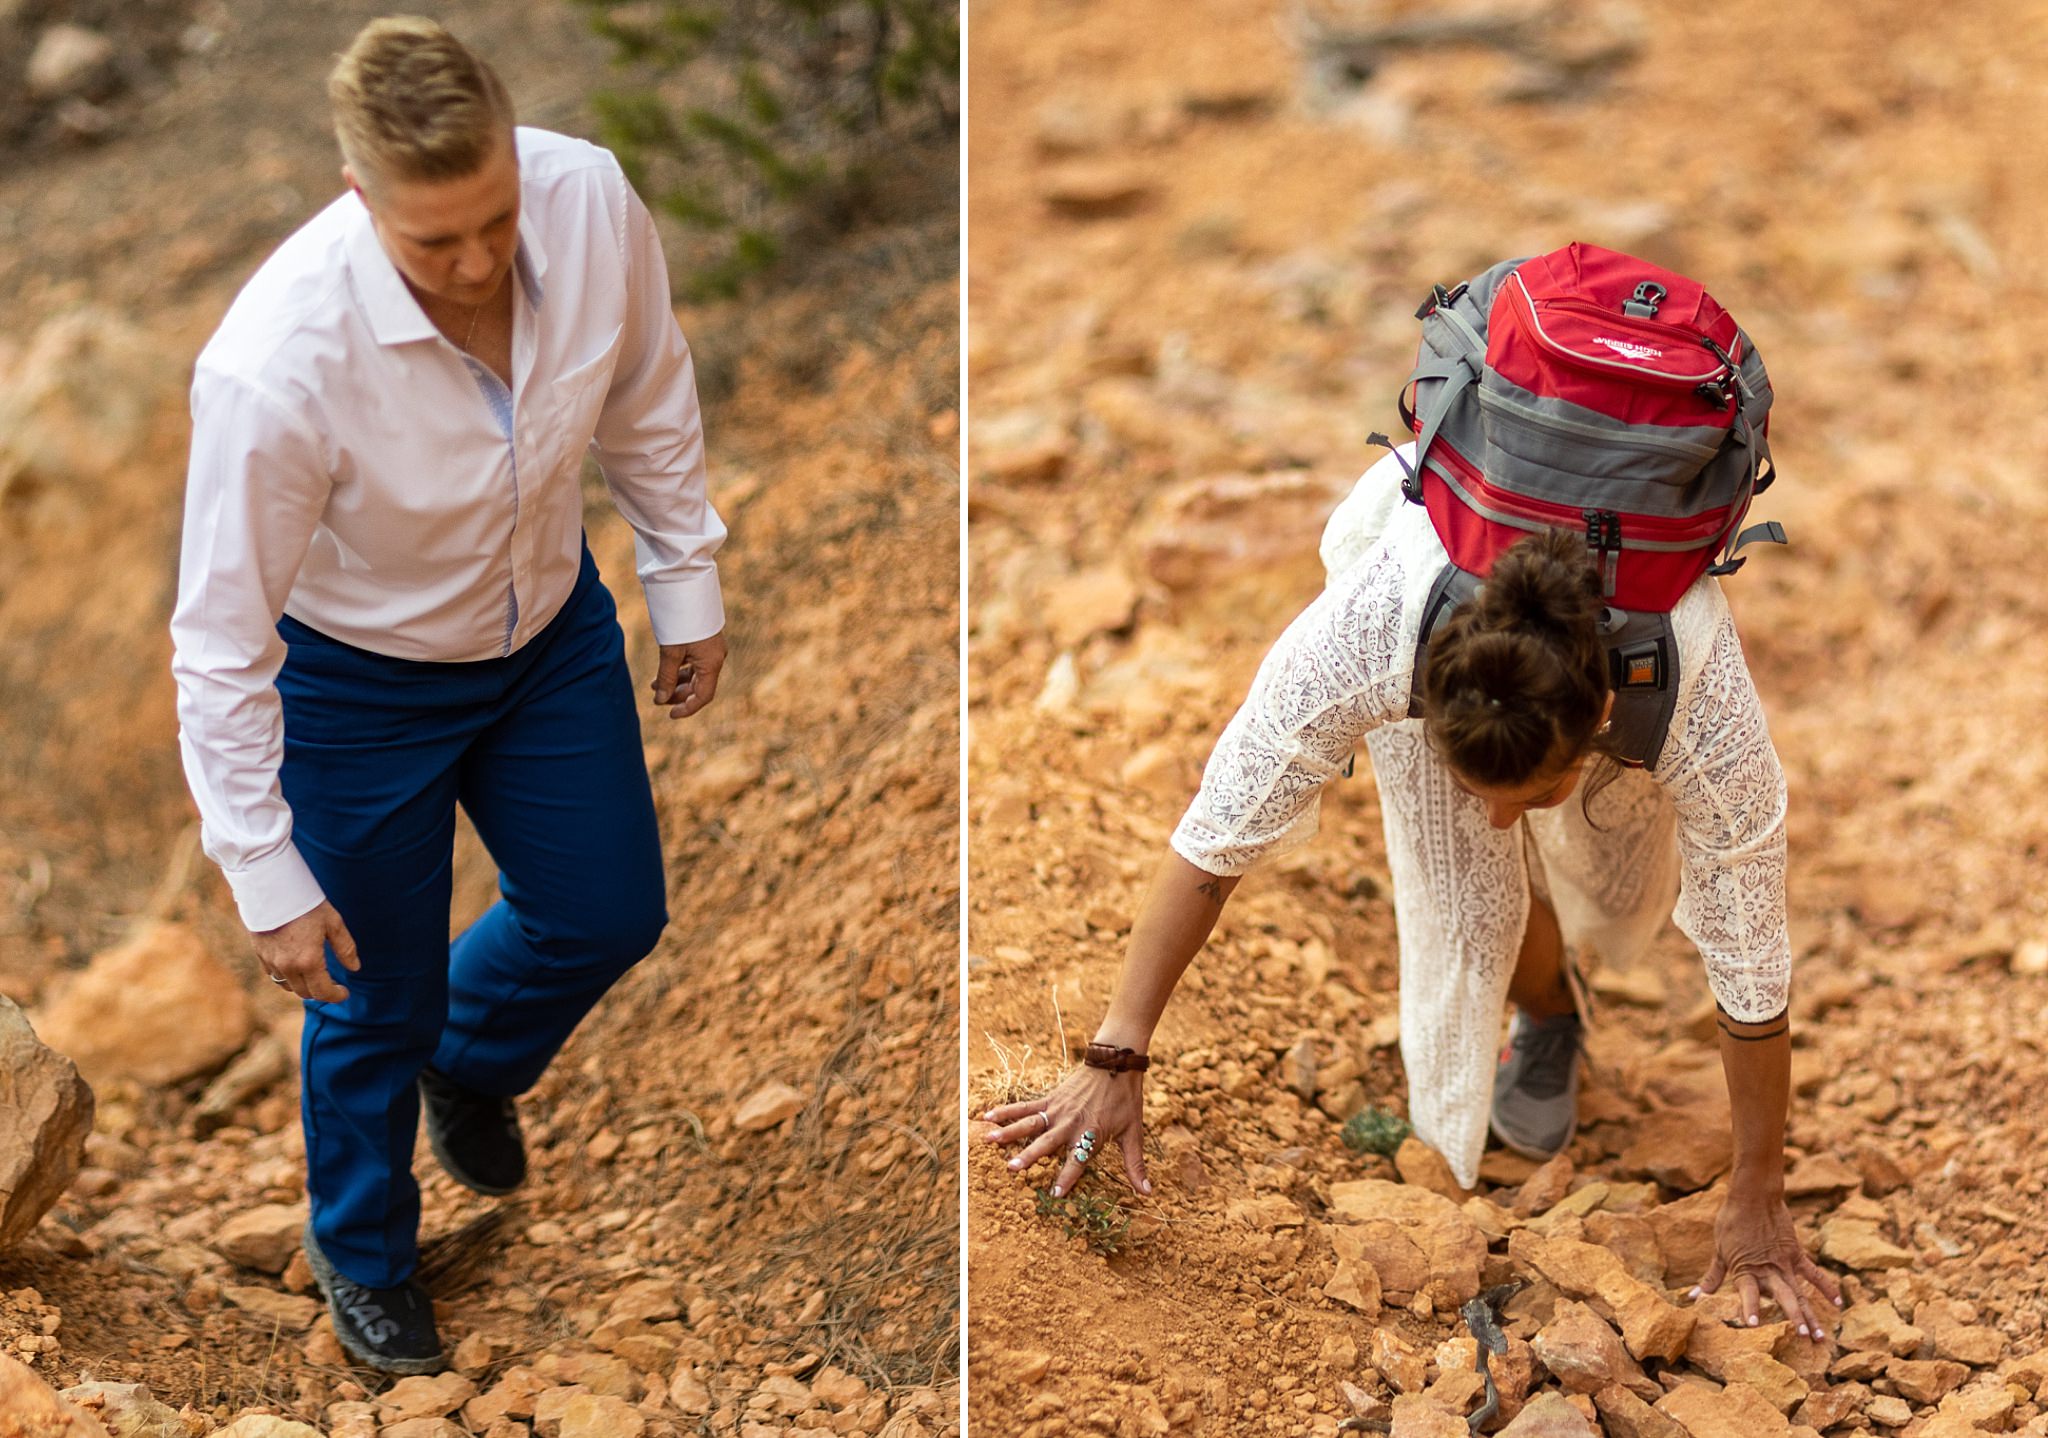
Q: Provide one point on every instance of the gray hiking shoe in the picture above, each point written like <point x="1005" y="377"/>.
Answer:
<point x="1536" y="1088"/>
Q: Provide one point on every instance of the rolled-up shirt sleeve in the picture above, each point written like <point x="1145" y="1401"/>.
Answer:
<point x="1728" y="789"/>
<point x="1341" y="669"/>
<point x="256" y="487"/>
<point x="650" y="444"/>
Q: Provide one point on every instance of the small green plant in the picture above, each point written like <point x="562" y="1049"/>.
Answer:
<point x="1104" y="1223"/>
<point x="1374" y="1130"/>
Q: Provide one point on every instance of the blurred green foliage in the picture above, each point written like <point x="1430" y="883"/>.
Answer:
<point x="754" y="122"/>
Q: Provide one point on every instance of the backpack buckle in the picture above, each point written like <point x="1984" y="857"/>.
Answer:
<point x="1441" y="298"/>
<point x="1649" y="294"/>
<point x="1603" y="541"/>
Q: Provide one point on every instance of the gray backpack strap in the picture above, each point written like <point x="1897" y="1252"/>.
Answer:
<point x="1642" y="660"/>
<point x="1452" y="587"/>
<point x="1642" y="669"/>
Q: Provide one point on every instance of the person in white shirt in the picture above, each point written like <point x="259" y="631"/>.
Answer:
<point x="1496" y="861"/>
<point x="386" y="608"/>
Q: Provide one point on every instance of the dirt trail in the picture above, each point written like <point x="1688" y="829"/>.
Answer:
<point x="1193" y="269"/>
<point x="715" y="1277"/>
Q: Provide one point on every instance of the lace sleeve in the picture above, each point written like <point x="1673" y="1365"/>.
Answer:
<point x="1729" y="792"/>
<point x="1340" y="669"/>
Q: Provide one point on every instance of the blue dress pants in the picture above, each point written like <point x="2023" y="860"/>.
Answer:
<point x="541" y="749"/>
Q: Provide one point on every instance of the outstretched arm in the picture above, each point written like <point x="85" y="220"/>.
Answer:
<point x="1180" y="910"/>
<point x="1754" y="1241"/>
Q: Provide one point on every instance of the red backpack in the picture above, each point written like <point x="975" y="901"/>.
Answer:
<point x="1591" y="391"/>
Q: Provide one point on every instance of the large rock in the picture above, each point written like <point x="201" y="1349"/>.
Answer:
<point x="1827" y="1408"/>
<point x="1682" y="1148"/>
<point x="1550" y="1415"/>
<point x="29" y="1409"/>
<point x="1422" y="1166"/>
<point x="1587" y="1355"/>
<point x="1857" y="1243"/>
<point x="1414" y="1416"/>
<point x="1626" y="1416"/>
<point x="45" y="1118"/>
<point x="127" y="1409"/>
<point x="159" y="1009"/>
<point x="1356" y="1283"/>
<point x="1733" y="1412"/>
<point x="1685" y="1234"/>
<point x="1398" y="1361"/>
<point x="1925" y="1382"/>
<point x="287" y="1309"/>
<point x="264" y="1237"/>
<point x="1543" y="1188"/>
<point x="425" y="1397"/>
<point x="1876" y="1327"/>
<point x="1651" y="1327"/>
<point x="1413" y="1238"/>
<point x="78" y="404"/>
<point x="1714" y="1345"/>
<point x="1784" y="1389"/>
<point x="1093" y="601"/>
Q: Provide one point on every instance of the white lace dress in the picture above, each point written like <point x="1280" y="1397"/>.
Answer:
<point x="1705" y="828"/>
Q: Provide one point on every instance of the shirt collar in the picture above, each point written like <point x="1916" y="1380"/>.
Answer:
<point x="395" y="316"/>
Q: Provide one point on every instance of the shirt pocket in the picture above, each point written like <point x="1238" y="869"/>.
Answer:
<point x="575" y="400"/>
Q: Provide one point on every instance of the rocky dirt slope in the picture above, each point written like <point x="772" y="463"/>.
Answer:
<point x="743" y="1212"/>
<point x="1193" y="269"/>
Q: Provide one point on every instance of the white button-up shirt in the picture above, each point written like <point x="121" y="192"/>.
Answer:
<point x="350" y="468"/>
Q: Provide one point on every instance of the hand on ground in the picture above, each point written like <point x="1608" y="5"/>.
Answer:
<point x="688" y="675"/>
<point x="1754" y="1244"/>
<point x="295" y="953"/>
<point x="1111" y="1104"/>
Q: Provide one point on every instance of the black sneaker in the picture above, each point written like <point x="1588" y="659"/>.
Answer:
<point x="475" y="1136"/>
<point x="388" y="1329"/>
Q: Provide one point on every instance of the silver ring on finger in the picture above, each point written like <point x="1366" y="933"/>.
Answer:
<point x="1048" y="1120"/>
<point x="276" y="978"/>
<point x="1084" y="1147"/>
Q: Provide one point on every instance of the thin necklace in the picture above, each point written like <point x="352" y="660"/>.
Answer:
<point x="474" y="316"/>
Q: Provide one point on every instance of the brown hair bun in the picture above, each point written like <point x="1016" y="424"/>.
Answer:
<point x="1515" y="681"/>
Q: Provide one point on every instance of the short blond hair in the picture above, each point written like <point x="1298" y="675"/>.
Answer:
<point x="412" y="102"/>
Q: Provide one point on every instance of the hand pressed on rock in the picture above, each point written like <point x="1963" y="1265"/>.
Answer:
<point x="1754" y="1243"/>
<point x="1112" y="1104"/>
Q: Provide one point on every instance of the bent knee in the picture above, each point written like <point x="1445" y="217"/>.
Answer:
<point x="623" y="933"/>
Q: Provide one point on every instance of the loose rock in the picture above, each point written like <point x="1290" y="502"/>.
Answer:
<point x="1410" y="1236"/>
<point x="131" y="1013"/>
<point x="1925" y="1382"/>
<point x="1856" y="1243"/>
<point x="264" y="1237"/>
<point x="1550" y="1415"/>
<point x="45" y="1117"/>
<point x="1424" y="1167"/>
<point x="768" y="1106"/>
<point x="1733" y="1412"/>
<point x="1586" y="1355"/>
